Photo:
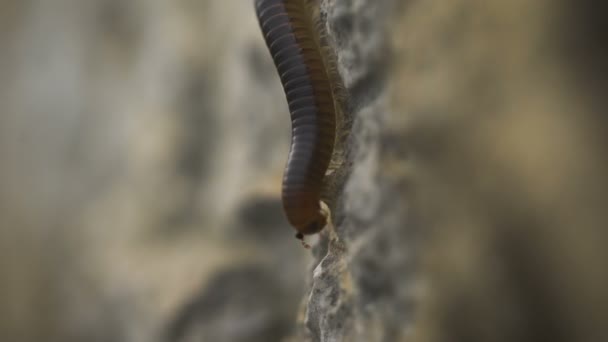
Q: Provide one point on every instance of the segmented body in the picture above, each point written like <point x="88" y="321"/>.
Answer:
<point x="290" y="35"/>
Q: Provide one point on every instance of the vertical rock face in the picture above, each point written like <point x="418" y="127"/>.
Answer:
<point x="142" y="146"/>
<point x="362" y="272"/>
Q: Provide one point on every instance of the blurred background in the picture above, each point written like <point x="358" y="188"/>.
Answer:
<point x="142" y="145"/>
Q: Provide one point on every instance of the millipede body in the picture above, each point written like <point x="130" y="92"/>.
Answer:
<point x="292" y="36"/>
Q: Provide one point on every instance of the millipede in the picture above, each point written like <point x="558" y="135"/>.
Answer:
<point x="292" y="32"/>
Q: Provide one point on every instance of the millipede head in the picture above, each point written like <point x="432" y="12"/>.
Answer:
<point x="314" y="226"/>
<point x="300" y="237"/>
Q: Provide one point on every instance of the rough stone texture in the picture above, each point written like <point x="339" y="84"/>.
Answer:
<point x="362" y="272"/>
<point x="142" y="145"/>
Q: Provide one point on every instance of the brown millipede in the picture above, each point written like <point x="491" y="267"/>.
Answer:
<point x="295" y="43"/>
